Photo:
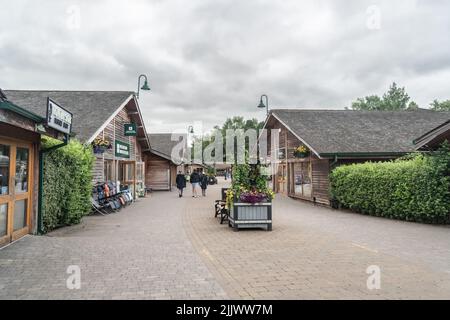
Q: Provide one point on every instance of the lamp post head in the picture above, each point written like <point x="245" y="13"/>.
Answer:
<point x="261" y="104"/>
<point x="145" y="86"/>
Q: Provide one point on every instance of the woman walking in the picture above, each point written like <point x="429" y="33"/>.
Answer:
<point x="181" y="183"/>
<point x="204" y="183"/>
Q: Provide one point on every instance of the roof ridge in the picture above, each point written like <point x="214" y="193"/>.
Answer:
<point x="349" y="110"/>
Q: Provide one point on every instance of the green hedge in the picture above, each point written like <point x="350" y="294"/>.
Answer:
<point x="413" y="189"/>
<point x="67" y="184"/>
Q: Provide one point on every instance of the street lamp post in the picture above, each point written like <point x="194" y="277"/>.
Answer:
<point x="262" y="105"/>
<point x="144" y="87"/>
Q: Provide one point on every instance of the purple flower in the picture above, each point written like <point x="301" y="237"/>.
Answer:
<point x="253" y="197"/>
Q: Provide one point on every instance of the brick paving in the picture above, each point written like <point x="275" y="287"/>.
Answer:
<point x="168" y="248"/>
<point x="141" y="252"/>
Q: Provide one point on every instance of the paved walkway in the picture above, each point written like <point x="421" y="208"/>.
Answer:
<point x="168" y="248"/>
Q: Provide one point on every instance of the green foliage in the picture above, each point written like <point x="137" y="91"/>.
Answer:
<point x="233" y="123"/>
<point x="415" y="188"/>
<point x="440" y="106"/>
<point x="67" y="183"/>
<point x="248" y="177"/>
<point x="396" y="99"/>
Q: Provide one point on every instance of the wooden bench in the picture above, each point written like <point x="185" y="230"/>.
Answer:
<point x="220" y="209"/>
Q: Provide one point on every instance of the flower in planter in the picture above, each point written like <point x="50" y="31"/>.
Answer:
<point x="301" y="152"/>
<point x="252" y="197"/>
<point x="101" y="145"/>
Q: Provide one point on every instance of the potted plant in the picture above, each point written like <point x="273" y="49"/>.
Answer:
<point x="100" y="145"/>
<point x="301" y="152"/>
<point x="249" y="200"/>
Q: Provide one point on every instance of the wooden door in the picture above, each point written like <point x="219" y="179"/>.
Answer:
<point x="16" y="181"/>
<point x="282" y="178"/>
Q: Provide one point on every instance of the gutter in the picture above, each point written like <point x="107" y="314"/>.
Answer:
<point x="41" y="180"/>
<point x="363" y="154"/>
<point x="6" y="105"/>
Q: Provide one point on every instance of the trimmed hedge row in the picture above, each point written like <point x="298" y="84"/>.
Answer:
<point x="67" y="184"/>
<point x="413" y="189"/>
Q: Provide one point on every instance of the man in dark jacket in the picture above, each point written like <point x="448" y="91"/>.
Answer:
<point x="181" y="183"/>
<point x="195" y="181"/>
<point x="203" y="183"/>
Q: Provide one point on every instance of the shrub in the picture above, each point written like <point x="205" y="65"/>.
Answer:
<point x="67" y="184"/>
<point x="413" y="189"/>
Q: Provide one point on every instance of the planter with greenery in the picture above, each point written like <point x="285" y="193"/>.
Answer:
<point x="249" y="200"/>
<point x="100" y="145"/>
<point x="301" y="152"/>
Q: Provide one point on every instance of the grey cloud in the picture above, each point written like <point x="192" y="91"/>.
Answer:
<point x="207" y="60"/>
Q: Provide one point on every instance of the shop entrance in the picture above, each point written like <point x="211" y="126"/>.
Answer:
<point x="127" y="175"/>
<point x="16" y="181"/>
<point x="282" y="178"/>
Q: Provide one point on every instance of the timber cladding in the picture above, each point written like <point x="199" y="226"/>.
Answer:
<point x="321" y="181"/>
<point x="158" y="173"/>
<point x="114" y="131"/>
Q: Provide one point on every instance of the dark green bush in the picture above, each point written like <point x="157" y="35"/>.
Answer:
<point x="412" y="189"/>
<point x="67" y="184"/>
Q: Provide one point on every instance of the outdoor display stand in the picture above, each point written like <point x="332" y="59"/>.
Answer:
<point x="247" y="215"/>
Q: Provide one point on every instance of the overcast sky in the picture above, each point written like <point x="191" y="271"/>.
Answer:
<point x="207" y="60"/>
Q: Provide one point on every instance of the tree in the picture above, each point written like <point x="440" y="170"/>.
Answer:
<point x="440" y="106"/>
<point x="368" y="103"/>
<point x="395" y="99"/>
<point x="233" y="123"/>
<point x="413" y="106"/>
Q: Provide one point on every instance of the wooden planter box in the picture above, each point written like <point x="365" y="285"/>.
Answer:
<point x="247" y="215"/>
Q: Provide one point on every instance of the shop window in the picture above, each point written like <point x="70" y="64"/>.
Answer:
<point x="22" y="170"/>
<point x="3" y="219"/>
<point x="20" y="214"/>
<point x="4" y="169"/>
<point x="302" y="179"/>
<point x="109" y="170"/>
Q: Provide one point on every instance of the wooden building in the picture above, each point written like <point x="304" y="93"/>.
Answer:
<point x="336" y="137"/>
<point x="20" y="142"/>
<point x="161" y="169"/>
<point x="102" y="115"/>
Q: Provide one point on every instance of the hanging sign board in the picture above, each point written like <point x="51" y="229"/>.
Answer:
<point x="58" y="118"/>
<point x="122" y="149"/>
<point x="130" y="129"/>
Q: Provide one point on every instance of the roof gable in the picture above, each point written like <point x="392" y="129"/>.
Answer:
<point x="358" y="132"/>
<point x="161" y="144"/>
<point x="90" y="109"/>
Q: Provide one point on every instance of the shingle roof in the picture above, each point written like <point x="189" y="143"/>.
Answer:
<point x="162" y="144"/>
<point x="90" y="109"/>
<point x="348" y="131"/>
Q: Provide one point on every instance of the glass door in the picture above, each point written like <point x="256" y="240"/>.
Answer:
<point x="127" y="175"/>
<point x="15" y="177"/>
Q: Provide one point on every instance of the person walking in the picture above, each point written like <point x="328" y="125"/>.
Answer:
<point x="181" y="183"/>
<point x="195" y="182"/>
<point x="203" y="183"/>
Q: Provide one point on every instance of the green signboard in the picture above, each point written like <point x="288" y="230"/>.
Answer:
<point x="122" y="149"/>
<point x="130" y="129"/>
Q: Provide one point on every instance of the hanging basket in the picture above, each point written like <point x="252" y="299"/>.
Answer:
<point x="301" y="154"/>
<point x="100" y="149"/>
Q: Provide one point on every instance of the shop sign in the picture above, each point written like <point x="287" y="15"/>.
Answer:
<point x="130" y="129"/>
<point x="58" y="118"/>
<point x="122" y="149"/>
